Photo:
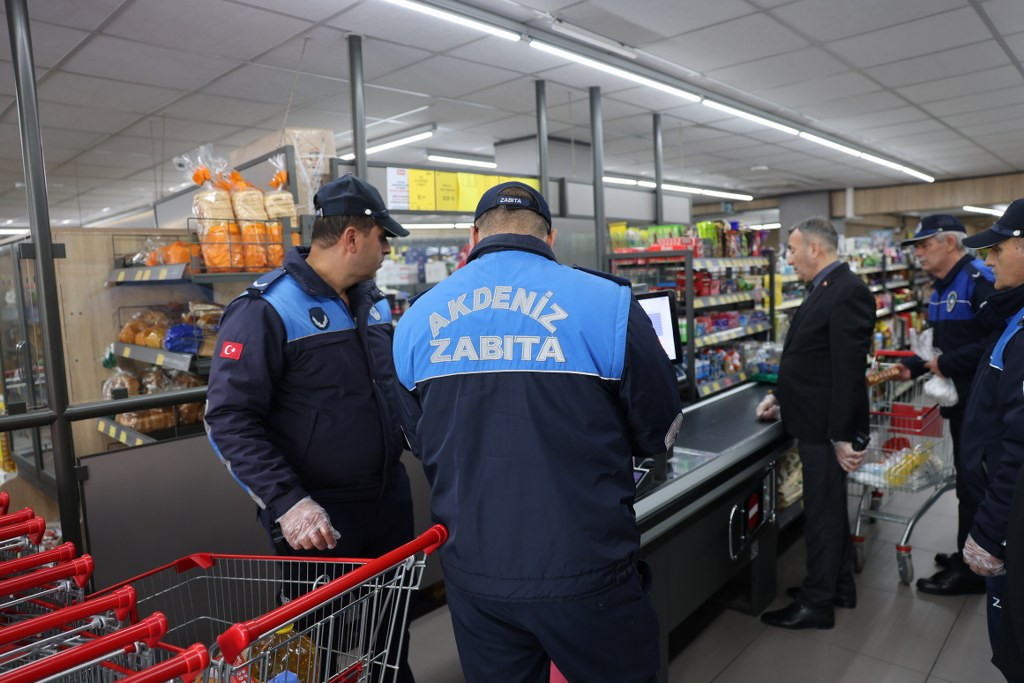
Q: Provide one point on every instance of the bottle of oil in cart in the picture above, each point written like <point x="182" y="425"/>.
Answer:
<point x="284" y="656"/>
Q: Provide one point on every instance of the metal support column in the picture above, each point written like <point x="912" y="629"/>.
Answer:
<point x="39" y="225"/>
<point x="597" y="145"/>
<point x="355" y="67"/>
<point x="542" y="136"/>
<point x="659" y="172"/>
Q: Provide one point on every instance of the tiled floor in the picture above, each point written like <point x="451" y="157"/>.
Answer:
<point x="895" y="635"/>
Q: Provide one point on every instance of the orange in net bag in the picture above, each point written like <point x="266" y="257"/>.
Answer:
<point x="219" y="238"/>
<point x="247" y="203"/>
<point x="279" y="203"/>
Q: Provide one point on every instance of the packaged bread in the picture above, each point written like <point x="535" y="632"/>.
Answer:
<point x="178" y="252"/>
<point x="153" y="337"/>
<point x="130" y="331"/>
<point x="205" y="316"/>
<point x="279" y="204"/>
<point x="188" y="413"/>
<point x="247" y="203"/>
<point x="121" y="379"/>
<point x="153" y="317"/>
<point x="219" y="237"/>
<point x="146" y="421"/>
<point x="154" y="381"/>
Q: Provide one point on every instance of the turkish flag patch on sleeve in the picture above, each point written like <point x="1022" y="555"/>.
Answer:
<point x="232" y="350"/>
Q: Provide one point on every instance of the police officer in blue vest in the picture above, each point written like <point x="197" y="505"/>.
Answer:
<point x="992" y="445"/>
<point x="962" y="284"/>
<point x="529" y="386"/>
<point x="302" y="404"/>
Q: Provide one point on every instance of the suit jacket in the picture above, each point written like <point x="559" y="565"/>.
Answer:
<point x="821" y="374"/>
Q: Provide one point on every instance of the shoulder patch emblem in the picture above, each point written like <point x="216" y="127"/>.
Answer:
<point x="951" y="302"/>
<point x="375" y="314"/>
<point x="319" y="318"/>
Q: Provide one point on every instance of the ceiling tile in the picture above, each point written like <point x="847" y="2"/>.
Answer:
<point x="74" y="13"/>
<point x="986" y="116"/>
<point x="703" y="50"/>
<point x="184" y="131"/>
<point x="878" y="118"/>
<point x="966" y="103"/>
<point x="828" y="20"/>
<point x="50" y="43"/>
<point x="434" y="76"/>
<point x="997" y="127"/>
<point x="983" y="81"/>
<point x="266" y="84"/>
<point x="312" y="10"/>
<point x="932" y="34"/>
<point x="310" y="118"/>
<point x="518" y="96"/>
<point x="513" y="127"/>
<point x="382" y="104"/>
<point x="616" y="19"/>
<point x="216" y="109"/>
<point x="86" y="91"/>
<point x="225" y="30"/>
<point x="953" y="62"/>
<point x="798" y="66"/>
<point x="851" y="106"/>
<point x="506" y="55"/>
<point x="821" y="90"/>
<point x="125" y="60"/>
<point x="406" y="27"/>
<point x="52" y="115"/>
<point x="327" y="54"/>
<point x="1006" y="14"/>
<point x="1016" y="43"/>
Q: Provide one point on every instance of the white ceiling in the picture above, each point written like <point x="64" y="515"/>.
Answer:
<point x="126" y="85"/>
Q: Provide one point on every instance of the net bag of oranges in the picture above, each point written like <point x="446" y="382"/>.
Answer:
<point x="220" y="239"/>
<point x="247" y="203"/>
<point x="279" y="204"/>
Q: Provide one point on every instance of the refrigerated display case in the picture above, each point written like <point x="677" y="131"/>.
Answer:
<point x="22" y="370"/>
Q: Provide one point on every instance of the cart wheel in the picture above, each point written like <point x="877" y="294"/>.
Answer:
<point x="905" y="564"/>
<point x="858" y="556"/>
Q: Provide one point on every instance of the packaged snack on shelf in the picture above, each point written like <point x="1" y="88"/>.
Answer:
<point x="153" y="380"/>
<point x="183" y="338"/>
<point x="247" y="204"/>
<point x="219" y="236"/>
<point x="120" y="379"/>
<point x="205" y="316"/>
<point x="279" y="203"/>
<point x="130" y="331"/>
<point x="188" y="413"/>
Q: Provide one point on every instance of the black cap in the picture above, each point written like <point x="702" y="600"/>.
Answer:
<point x="933" y="225"/>
<point x="350" y="196"/>
<point x="1010" y="224"/>
<point x="495" y="197"/>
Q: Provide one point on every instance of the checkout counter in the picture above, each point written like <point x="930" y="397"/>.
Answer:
<point x="712" y="521"/>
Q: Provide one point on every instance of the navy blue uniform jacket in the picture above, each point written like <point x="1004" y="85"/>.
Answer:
<point x="530" y="386"/>
<point x="992" y="443"/>
<point x="951" y="313"/>
<point x="302" y="390"/>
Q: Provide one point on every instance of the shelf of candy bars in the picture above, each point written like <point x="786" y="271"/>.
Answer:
<point x="237" y="227"/>
<point x="721" y="367"/>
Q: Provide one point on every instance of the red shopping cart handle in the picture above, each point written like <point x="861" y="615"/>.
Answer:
<point x="5" y="502"/>
<point x="33" y="528"/>
<point x="121" y="602"/>
<point x="892" y="353"/>
<point x="233" y="641"/>
<point x="62" y="553"/>
<point x="149" y="631"/>
<point x="22" y="515"/>
<point x="79" y="570"/>
<point x="186" y="666"/>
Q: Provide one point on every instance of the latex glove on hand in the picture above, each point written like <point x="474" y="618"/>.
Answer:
<point x="768" y="408"/>
<point x="306" y="526"/>
<point x="980" y="561"/>
<point x="848" y="458"/>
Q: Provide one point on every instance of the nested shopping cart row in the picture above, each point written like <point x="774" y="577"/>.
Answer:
<point x="207" y="616"/>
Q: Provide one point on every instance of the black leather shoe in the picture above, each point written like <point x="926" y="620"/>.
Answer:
<point x="951" y="582"/>
<point x="846" y="601"/>
<point x="797" y="616"/>
<point x="944" y="559"/>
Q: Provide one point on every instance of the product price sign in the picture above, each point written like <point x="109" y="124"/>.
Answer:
<point x="446" y="191"/>
<point x="421" y="190"/>
<point x="470" y="189"/>
<point x="398" y="189"/>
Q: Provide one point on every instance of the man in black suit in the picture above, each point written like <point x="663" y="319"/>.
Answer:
<point x="823" y="402"/>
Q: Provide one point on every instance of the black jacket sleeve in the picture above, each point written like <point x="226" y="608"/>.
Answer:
<point x="963" y="361"/>
<point x="993" y="514"/>
<point x="649" y="392"/>
<point x="239" y="400"/>
<point x="850" y="329"/>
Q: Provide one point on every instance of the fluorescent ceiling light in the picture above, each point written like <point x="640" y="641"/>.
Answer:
<point x="436" y="226"/>
<point x="461" y="161"/>
<point x="710" y="193"/>
<point x="751" y="117"/>
<point x="403" y="138"/>
<point x="766" y="226"/>
<point x="867" y="157"/>
<point x="595" y="39"/>
<point x="619" y="181"/>
<point x="982" y="209"/>
<point x="14" y="231"/>
<point x="613" y="70"/>
<point x="831" y="145"/>
<point x="66" y="221"/>
<point x="882" y="162"/>
<point x="917" y="174"/>
<point x="650" y="185"/>
<point x="105" y="209"/>
<point x="9" y="221"/>
<point x="455" y="19"/>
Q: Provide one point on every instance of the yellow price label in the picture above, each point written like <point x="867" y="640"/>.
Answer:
<point x="101" y="427"/>
<point x="138" y="441"/>
<point x="121" y="275"/>
<point x="162" y="275"/>
<point x="112" y="432"/>
<point x="421" y="190"/>
<point x="147" y="274"/>
<point x="159" y="359"/>
<point x="446" y="191"/>
<point x="138" y="275"/>
<point x="127" y="353"/>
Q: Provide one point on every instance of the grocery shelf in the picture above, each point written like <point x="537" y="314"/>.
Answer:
<point x="149" y="275"/>
<point x="791" y="303"/>
<point x="789" y="277"/>
<point x="893" y="284"/>
<point x="118" y="432"/>
<point x="922" y="280"/>
<point x="744" y="262"/>
<point x="730" y="335"/>
<point x="722" y="299"/>
<point x="875" y="289"/>
<point x="882" y="312"/>
<point x="868" y="271"/>
<point x="705" y="389"/>
<point x="905" y="306"/>
<point x="214" y="278"/>
<point x="894" y="267"/>
<point x="165" y="359"/>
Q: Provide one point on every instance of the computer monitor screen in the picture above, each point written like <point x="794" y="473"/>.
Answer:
<point x="661" y="309"/>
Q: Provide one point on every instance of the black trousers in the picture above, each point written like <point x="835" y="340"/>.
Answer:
<point x="826" y="527"/>
<point x="368" y="529"/>
<point x="967" y="504"/>
<point x="610" y="636"/>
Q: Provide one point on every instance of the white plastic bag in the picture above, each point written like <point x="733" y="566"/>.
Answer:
<point x="940" y="389"/>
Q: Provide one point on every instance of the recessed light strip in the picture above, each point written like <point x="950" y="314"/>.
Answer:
<point x="686" y="189"/>
<point x="461" y="161"/>
<point x="982" y="209"/>
<point x="750" y="117"/>
<point x="456" y="19"/>
<point x="391" y="144"/>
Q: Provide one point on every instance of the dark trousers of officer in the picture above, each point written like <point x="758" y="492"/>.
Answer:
<point x="608" y="636"/>
<point x="967" y="504"/>
<point x="826" y="527"/>
<point x="368" y="529"/>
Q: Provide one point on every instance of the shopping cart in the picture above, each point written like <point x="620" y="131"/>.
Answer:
<point x="336" y="620"/>
<point x="19" y="538"/>
<point x="910" y="451"/>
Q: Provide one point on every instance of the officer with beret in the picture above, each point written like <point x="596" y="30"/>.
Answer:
<point x="528" y="386"/>
<point x="961" y="285"/>
<point x="301" y="405"/>
<point x="992" y="445"/>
